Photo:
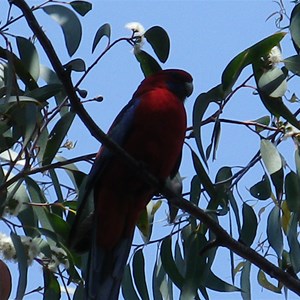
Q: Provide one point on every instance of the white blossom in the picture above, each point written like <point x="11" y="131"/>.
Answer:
<point x="275" y="56"/>
<point x="137" y="28"/>
<point x="59" y="256"/>
<point x="7" y="247"/>
<point x="13" y="207"/>
<point x="138" y="33"/>
<point x="291" y="131"/>
<point x="32" y="247"/>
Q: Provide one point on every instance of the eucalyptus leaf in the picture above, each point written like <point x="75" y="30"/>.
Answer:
<point x="56" y="137"/>
<point x="158" y="38"/>
<point x="22" y="266"/>
<point x="270" y="156"/>
<point x="138" y="270"/>
<point x="274" y="232"/>
<point x="248" y="56"/>
<point x="128" y="290"/>
<point x="104" y="30"/>
<point x="81" y="7"/>
<point x="29" y="56"/>
<point x="262" y="189"/>
<point x="169" y="263"/>
<point x="148" y="64"/>
<point x="69" y="23"/>
<point x="292" y="192"/>
<point x="249" y="227"/>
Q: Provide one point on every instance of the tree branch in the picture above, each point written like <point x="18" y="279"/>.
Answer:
<point x="222" y="236"/>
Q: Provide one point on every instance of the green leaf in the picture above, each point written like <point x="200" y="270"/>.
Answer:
<point x="37" y="196"/>
<point x="270" y="97"/>
<point x="195" y="264"/>
<point x="292" y="192"/>
<point x="203" y="176"/>
<point x="294" y="27"/>
<point x="148" y="64"/>
<point x="169" y="263"/>
<point x="215" y="283"/>
<point x="264" y="121"/>
<point x="158" y="38"/>
<point x="29" y="56"/>
<point x="245" y="281"/>
<point x="128" y="290"/>
<point x="45" y="92"/>
<point x="292" y="238"/>
<point x="248" y="56"/>
<point x="200" y="106"/>
<point x="104" y="30"/>
<point x="77" y="65"/>
<point x="160" y="286"/>
<point x="51" y="78"/>
<point x="138" y="270"/>
<point x="273" y="83"/>
<point x="19" y="68"/>
<point x="292" y="63"/>
<point x="273" y="162"/>
<point x="263" y="281"/>
<point x="81" y="7"/>
<point x="262" y="189"/>
<point x="56" y="137"/>
<point x="26" y="215"/>
<point x="145" y="222"/>
<point x="249" y="227"/>
<point x="69" y="23"/>
<point x="51" y="285"/>
<point x="270" y="156"/>
<point x="60" y="226"/>
<point x="297" y="161"/>
<point x="274" y="232"/>
<point x="22" y="265"/>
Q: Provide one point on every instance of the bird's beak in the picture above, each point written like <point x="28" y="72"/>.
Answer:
<point x="189" y="88"/>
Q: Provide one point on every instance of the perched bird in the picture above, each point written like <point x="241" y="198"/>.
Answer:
<point x="151" y="128"/>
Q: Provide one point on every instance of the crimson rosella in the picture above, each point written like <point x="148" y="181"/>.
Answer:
<point x="151" y="128"/>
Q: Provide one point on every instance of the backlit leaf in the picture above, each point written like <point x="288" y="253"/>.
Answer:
<point x="82" y="7"/>
<point x="245" y="281"/>
<point x="292" y="63"/>
<point x="158" y="38"/>
<point x="263" y="281"/>
<point x="294" y="243"/>
<point x="69" y="23"/>
<point x="249" y="227"/>
<point x="169" y="263"/>
<point x="253" y="53"/>
<point x="270" y="156"/>
<point x="22" y="265"/>
<point x="262" y="189"/>
<point x="148" y="64"/>
<point x="292" y="191"/>
<point x="104" y="30"/>
<point x="273" y="83"/>
<point x="294" y="27"/>
<point x="274" y="232"/>
<point x="128" y="290"/>
<point x="29" y="56"/>
<point x="56" y="137"/>
<point x="52" y="288"/>
<point x="138" y="270"/>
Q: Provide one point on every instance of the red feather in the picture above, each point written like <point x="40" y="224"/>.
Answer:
<point x="151" y="128"/>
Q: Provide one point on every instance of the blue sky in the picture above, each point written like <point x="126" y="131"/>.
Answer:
<point x="205" y="36"/>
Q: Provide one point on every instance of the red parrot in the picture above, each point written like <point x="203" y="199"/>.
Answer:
<point x="151" y="128"/>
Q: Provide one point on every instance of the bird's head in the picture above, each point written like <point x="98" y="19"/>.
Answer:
<point x="177" y="81"/>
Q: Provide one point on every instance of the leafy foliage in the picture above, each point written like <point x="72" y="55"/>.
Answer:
<point x="35" y="117"/>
